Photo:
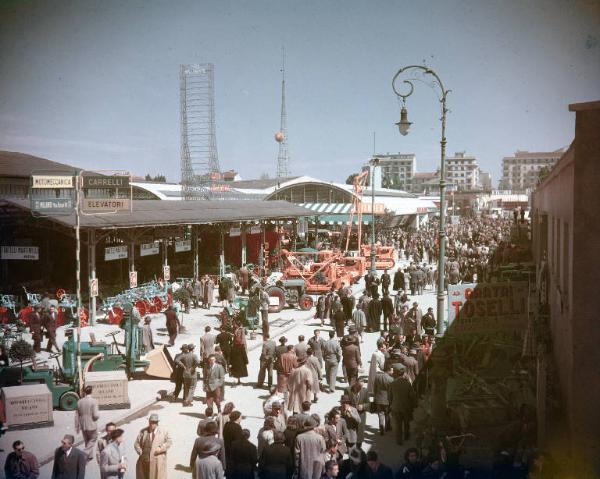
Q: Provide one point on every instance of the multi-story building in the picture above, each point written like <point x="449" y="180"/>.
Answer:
<point x="462" y="171"/>
<point x="485" y="180"/>
<point x="521" y="171"/>
<point x="426" y="182"/>
<point x="397" y="170"/>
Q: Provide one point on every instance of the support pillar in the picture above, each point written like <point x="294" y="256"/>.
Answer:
<point x="195" y="251"/>
<point x="92" y="270"/>
<point x="244" y="245"/>
<point x="222" y="254"/>
<point x="261" y="251"/>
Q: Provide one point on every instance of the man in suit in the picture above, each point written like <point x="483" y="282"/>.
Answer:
<point x="300" y="348"/>
<point x="351" y="358"/>
<point x="34" y="319"/>
<point x="264" y="310"/>
<point x="207" y="347"/>
<point x="104" y="440"/>
<point x="151" y="445"/>
<point x="267" y="358"/>
<point x="215" y="380"/>
<point x="21" y="464"/>
<point x="387" y="307"/>
<point x="112" y="464"/>
<point x="147" y="337"/>
<point x="189" y="362"/>
<point x="332" y="354"/>
<point x="402" y="402"/>
<point x="244" y="455"/>
<point x="178" y="372"/>
<point x="49" y="323"/>
<point x="276" y="459"/>
<point x="381" y="385"/>
<point x="374" y="317"/>
<point x="358" y="397"/>
<point x="69" y="462"/>
<point x="386" y="280"/>
<point x="316" y="344"/>
<point x="87" y="415"/>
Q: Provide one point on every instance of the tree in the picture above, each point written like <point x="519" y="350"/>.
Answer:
<point x="542" y="174"/>
<point x="157" y="178"/>
<point x="350" y="179"/>
<point x="264" y="176"/>
<point x="20" y="351"/>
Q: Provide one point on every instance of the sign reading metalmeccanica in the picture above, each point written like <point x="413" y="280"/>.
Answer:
<point x="51" y="181"/>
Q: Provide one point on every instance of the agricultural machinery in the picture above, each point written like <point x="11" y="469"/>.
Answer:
<point x="287" y="292"/>
<point x="147" y="298"/>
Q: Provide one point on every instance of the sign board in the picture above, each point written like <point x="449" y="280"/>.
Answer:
<point x="454" y="219"/>
<point x="254" y="230"/>
<point x="235" y="231"/>
<point x="93" y="287"/>
<point x="379" y="208"/>
<point x="166" y="272"/>
<point x="133" y="279"/>
<point x="115" y="252"/>
<point x="30" y="253"/>
<point x="476" y="308"/>
<point x="105" y="204"/>
<point x="52" y="181"/>
<point x="106" y="181"/>
<point x="51" y="204"/>
<point x="148" y="249"/>
<point x="183" y="245"/>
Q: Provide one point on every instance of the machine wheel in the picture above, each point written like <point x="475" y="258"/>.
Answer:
<point x="276" y="292"/>
<point x="68" y="401"/>
<point x="305" y="302"/>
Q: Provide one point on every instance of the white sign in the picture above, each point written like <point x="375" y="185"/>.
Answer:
<point x="183" y="245"/>
<point x="115" y="252"/>
<point x="166" y="272"/>
<point x="93" y="287"/>
<point x="254" y="230"/>
<point x="235" y="231"/>
<point x="51" y="181"/>
<point x="31" y="253"/>
<point x="105" y="204"/>
<point x="148" y="249"/>
<point x="133" y="279"/>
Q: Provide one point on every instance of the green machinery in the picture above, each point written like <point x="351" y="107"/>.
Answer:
<point x="63" y="382"/>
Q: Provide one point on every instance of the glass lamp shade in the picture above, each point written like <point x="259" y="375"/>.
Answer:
<point x="403" y="125"/>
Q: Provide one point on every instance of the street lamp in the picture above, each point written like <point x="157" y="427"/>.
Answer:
<point x="403" y="126"/>
<point x="373" y="163"/>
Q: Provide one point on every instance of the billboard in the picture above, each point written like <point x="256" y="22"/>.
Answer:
<point x="30" y="253"/>
<point x="476" y="308"/>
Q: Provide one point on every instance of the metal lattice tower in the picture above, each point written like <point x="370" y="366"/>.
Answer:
<point x="200" y="172"/>
<point x="283" y="157"/>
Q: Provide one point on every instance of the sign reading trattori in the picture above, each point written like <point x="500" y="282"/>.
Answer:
<point x="475" y="308"/>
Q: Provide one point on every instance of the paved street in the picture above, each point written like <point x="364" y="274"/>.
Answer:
<point x="181" y="422"/>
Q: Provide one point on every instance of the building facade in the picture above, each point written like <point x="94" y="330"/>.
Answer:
<point x="566" y="239"/>
<point x="396" y="170"/>
<point x="522" y="171"/>
<point x="462" y="171"/>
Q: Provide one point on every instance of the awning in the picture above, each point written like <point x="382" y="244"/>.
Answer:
<point x="328" y="208"/>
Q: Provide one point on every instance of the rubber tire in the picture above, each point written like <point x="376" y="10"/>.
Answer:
<point x="305" y="303"/>
<point x="276" y="291"/>
<point x="68" y="401"/>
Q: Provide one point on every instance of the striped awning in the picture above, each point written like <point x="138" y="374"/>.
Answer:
<point x="329" y="208"/>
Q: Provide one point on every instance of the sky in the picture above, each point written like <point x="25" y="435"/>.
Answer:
<point x="95" y="83"/>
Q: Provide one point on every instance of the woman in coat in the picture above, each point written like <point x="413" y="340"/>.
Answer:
<point x="239" y="357"/>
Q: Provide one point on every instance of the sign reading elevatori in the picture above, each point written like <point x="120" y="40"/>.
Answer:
<point x="105" y="204"/>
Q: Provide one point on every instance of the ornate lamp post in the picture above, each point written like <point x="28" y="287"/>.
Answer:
<point x="403" y="127"/>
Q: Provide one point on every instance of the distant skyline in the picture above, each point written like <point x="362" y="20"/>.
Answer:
<point x="95" y="83"/>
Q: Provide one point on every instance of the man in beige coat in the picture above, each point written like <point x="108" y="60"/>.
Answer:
<point x="300" y="387"/>
<point x="86" y="418"/>
<point x="151" y="445"/>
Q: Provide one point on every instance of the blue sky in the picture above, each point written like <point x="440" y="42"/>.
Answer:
<point x="95" y="83"/>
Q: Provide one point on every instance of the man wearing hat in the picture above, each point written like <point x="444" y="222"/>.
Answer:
<point x="177" y="375"/>
<point x="332" y="354"/>
<point x="300" y="386"/>
<point x="402" y="402"/>
<point x="151" y="445"/>
<point x="206" y="463"/>
<point x="352" y="419"/>
<point x="310" y="451"/>
<point x="207" y="444"/>
<point x="147" y="337"/>
<point x="351" y="355"/>
<point x="189" y="362"/>
<point x="428" y="322"/>
<point x="358" y="397"/>
<point x="381" y="399"/>
<point x="377" y="363"/>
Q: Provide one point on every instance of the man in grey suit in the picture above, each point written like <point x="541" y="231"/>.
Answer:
<point x="207" y="347"/>
<point x="316" y="343"/>
<point x="301" y="348"/>
<point x="332" y="354"/>
<point x="112" y="462"/>
<point x="402" y="400"/>
<point x="215" y="380"/>
<point x="267" y="359"/>
<point x="188" y="362"/>
<point x="69" y="462"/>
<point x="85" y="421"/>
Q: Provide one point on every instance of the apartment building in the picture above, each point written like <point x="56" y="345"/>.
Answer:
<point x="521" y="171"/>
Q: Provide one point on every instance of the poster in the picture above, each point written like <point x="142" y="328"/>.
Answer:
<point x="133" y="279"/>
<point x="475" y="308"/>
<point x="93" y="287"/>
<point x="115" y="252"/>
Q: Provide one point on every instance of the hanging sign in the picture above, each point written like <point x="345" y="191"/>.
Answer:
<point x="105" y="181"/>
<point x="133" y="279"/>
<point x="51" y="181"/>
<point x="148" y="249"/>
<point x="166" y="272"/>
<point x="115" y="252"/>
<point x="183" y="245"/>
<point x="93" y="287"/>
<point x="368" y="208"/>
<point x="487" y="307"/>
<point x="30" y="253"/>
<point x="235" y="231"/>
<point x="105" y="204"/>
<point x="254" y="230"/>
